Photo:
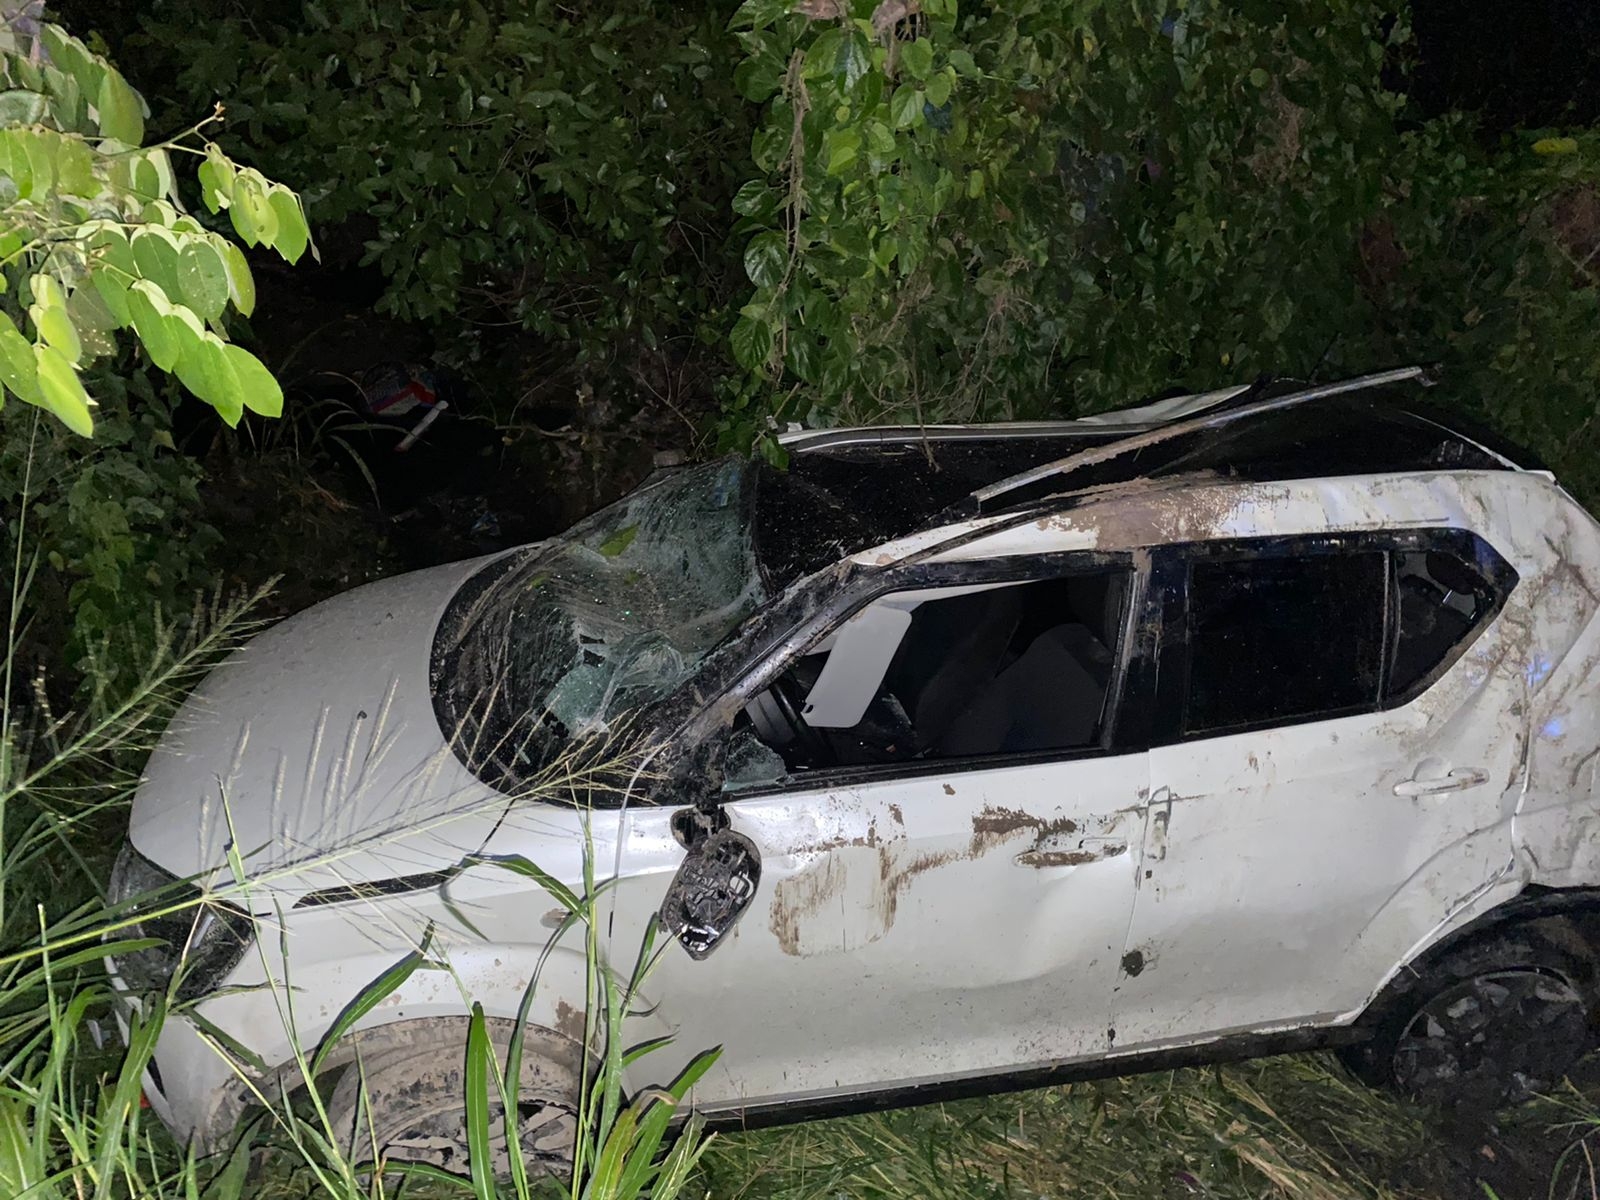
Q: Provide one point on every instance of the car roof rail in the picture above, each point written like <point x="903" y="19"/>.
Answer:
<point x="1207" y="420"/>
<point x="1101" y="426"/>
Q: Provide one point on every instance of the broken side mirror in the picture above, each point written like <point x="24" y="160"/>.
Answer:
<point x="714" y="884"/>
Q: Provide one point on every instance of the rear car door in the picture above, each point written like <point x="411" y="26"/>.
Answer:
<point x="1334" y="774"/>
<point x="947" y="829"/>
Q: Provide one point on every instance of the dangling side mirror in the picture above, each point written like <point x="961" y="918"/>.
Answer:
<point x="713" y="886"/>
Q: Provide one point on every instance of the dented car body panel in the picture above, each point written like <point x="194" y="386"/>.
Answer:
<point x="1122" y="755"/>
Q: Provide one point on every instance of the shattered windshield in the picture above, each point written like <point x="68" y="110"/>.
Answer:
<point x="556" y="642"/>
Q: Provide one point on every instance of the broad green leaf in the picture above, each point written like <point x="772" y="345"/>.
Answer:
<point x="75" y="169"/>
<point x="94" y="321"/>
<point x="257" y="388"/>
<point x="751" y="342"/>
<point x="822" y="57"/>
<point x="766" y="258"/>
<point x="855" y="58"/>
<point x="148" y="308"/>
<point x="917" y="57"/>
<point x="758" y="77"/>
<point x="156" y="253"/>
<point x="206" y="370"/>
<point x="56" y="328"/>
<point x="755" y="198"/>
<point x="879" y="139"/>
<point x="293" y="234"/>
<point x="202" y="278"/>
<point x="251" y="211"/>
<point x="47" y="291"/>
<point x="19" y="369"/>
<point x="939" y="87"/>
<point x="112" y="268"/>
<point x="216" y="179"/>
<point x="905" y="107"/>
<point x="62" y="390"/>
<point x="73" y="57"/>
<point x="14" y="164"/>
<point x="241" y="284"/>
<point x="843" y="147"/>
<point x="19" y="107"/>
<point x="118" y="110"/>
<point x="41" y="161"/>
<point x="758" y="14"/>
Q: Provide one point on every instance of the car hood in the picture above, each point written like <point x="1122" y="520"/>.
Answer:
<point x="314" y="749"/>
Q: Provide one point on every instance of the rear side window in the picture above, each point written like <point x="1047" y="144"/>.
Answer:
<point x="1277" y="635"/>
<point x="1441" y="601"/>
<point x="1279" y="639"/>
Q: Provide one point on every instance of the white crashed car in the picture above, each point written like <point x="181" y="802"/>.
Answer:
<point x="973" y="758"/>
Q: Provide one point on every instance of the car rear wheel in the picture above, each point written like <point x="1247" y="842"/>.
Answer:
<point x="1490" y="1023"/>
<point x="408" y="1105"/>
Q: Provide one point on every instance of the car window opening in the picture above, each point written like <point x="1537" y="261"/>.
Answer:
<point x="1010" y="669"/>
<point x="1276" y="639"/>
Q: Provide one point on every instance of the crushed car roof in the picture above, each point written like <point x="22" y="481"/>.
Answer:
<point x="847" y="490"/>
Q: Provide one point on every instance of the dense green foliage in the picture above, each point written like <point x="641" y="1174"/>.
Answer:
<point x="557" y="169"/>
<point x="1059" y="206"/>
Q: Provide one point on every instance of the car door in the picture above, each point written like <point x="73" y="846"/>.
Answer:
<point x="1336" y="777"/>
<point x="939" y="896"/>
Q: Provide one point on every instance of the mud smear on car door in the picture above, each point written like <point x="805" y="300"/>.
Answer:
<point x="848" y="897"/>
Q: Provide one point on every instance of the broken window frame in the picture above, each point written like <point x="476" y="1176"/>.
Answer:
<point x="1169" y="601"/>
<point x="1127" y="700"/>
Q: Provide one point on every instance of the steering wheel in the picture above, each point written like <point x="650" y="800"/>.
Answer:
<point x="804" y="733"/>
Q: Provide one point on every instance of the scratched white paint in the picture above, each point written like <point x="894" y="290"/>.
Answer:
<point x="951" y="923"/>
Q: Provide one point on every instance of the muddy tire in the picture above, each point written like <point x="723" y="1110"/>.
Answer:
<point x="406" y="1104"/>
<point x="1488" y="1024"/>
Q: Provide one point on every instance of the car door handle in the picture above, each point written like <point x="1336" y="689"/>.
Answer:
<point x="1458" y="780"/>
<point x="1059" y="850"/>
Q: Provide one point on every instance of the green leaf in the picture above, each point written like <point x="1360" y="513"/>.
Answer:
<point x="905" y="107"/>
<point x="755" y="199"/>
<point x="855" y="58"/>
<point x="619" y="541"/>
<point x="822" y="58"/>
<point x="156" y="253"/>
<point x="19" y="107"/>
<point x="206" y="370"/>
<point x="75" y="169"/>
<point x="241" y="284"/>
<point x="751" y="342"/>
<point x="766" y="258"/>
<point x="293" y="234"/>
<point x="1556" y="146"/>
<point x="19" y="370"/>
<point x="120" y="112"/>
<point x="148" y="307"/>
<point x="374" y="994"/>
<point x="56" y="328"/>
<point x="62" y="390"/>
<point x="757" y="78"/>
<point x="14" y="164"/>
<point x="939" y="87"/>
<point x="252" y="213"/>
<point x="216" y="180"/>
<point x="479" y="1075"/>
<point x="917" y="57"/>
<point x="843" y="147"/>
<point x="203" y="278"/>
<point x="257" y="388"/>
<point x="758" y="14"/>
<point x="1259" y="78"/>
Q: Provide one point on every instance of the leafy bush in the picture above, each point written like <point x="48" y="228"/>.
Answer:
<point x="563" y="169"/>
<point x="93" y="236"/>
<point x="1052" y="207"/>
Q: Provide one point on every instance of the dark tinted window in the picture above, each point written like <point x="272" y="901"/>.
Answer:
<point x="1278" y="639"/>
<point x="1441" y="600"/>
